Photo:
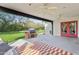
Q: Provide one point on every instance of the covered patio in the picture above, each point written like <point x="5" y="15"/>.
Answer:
<point x="61" y="37"/>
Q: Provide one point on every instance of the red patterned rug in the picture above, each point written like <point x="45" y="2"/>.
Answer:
<point x="39" y="48"/>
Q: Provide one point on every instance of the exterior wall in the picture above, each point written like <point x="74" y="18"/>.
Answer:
<point x="57" y="25"/>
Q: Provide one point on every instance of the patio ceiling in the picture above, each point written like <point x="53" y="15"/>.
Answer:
<point x="50" y="11"/>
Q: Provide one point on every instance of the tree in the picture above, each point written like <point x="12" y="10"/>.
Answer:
<point x="31" y="24"/>
<point x="5" y="19"/>
<point x="11" y="22"/>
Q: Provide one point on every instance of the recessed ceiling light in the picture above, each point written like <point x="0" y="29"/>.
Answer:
<point x="52" y="8"/>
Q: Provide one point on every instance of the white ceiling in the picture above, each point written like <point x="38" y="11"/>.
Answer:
<point x="49" y="10"/>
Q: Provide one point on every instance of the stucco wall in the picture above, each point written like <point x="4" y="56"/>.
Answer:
<point x="57" y="25"/>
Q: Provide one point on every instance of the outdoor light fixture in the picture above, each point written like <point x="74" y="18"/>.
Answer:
<point x="52" y="8"/>
<point x="49" y="7"/>
<point x="46" y="6"/>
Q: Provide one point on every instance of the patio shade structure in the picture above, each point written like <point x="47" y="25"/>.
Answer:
<point x="63" y="17"/>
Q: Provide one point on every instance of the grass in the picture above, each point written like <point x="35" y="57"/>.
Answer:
<point x="40" y="31"/>
<point x="11" y="36"/>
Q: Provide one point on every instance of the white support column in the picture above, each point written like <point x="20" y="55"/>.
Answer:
<point x="48" y="28"/>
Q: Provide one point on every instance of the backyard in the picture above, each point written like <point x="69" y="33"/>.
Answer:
<point x="12" y="26"/>
<point x="13" y="36"/>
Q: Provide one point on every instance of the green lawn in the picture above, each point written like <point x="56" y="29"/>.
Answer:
<point x="11" y="36"/>
<point x="40" y="31"/>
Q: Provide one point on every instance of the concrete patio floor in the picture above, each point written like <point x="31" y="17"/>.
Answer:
<point x="65" y="43"/>
<point x="42" y="42"/>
